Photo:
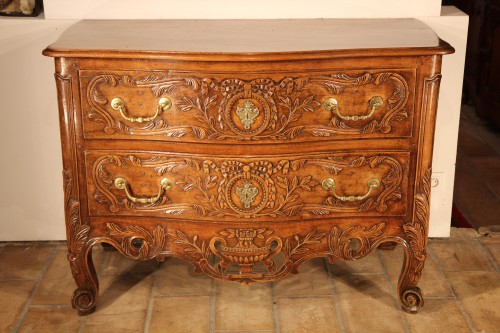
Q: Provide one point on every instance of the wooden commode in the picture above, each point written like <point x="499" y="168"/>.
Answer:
<point x="247" y="147"/>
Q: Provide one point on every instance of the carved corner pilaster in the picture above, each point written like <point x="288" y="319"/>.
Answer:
<point x="415" y="247"/>
<point x="415" y="232"/>
<point x="79" y="257"/>
<point x="77" y="230"/>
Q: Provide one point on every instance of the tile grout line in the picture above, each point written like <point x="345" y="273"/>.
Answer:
<point x="336" y="304"/>
<point x="457" y="299"/>
<point x="470" y="271"/>
<point x="275" y="308"/>
<point x="45" y="268"/>
<point x="41" y="306"/>
<point x="244" y="331"/>
<point x="395" y="293"/>
<point x="211" y="308"/>
<point x="152" y="295"/>
<point x="304" y="296"/>
<point x="492" y="260"/>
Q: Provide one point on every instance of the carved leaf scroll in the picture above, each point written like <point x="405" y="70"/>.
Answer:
<point x="211" y="103"/>
<point x="281" y="186"/>
<point x="137" y="242"/>
<point x="396" y="111"/>
<point x="341" y="241"/>
<point x="78" y="231"/>
<point x="416" y="232"/>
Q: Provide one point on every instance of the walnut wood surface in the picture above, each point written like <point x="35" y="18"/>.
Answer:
<point x="291" y="105"/>
<point x="234" y="40"/>
<point x="249" y="147"/>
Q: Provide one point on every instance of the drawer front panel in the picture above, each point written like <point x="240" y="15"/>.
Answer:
<point x="247" y="188"/>
<point x="229" y="108"/>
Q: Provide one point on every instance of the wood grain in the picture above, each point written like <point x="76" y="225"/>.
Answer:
<point x="263" y="174"/>
<point x="236" y="40"/>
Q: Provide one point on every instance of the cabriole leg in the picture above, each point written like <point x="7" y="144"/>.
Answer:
<point x="85" y="296"/>
<point x="410" y="295"/>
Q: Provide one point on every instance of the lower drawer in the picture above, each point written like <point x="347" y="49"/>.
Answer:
<point x="242" y="188"/>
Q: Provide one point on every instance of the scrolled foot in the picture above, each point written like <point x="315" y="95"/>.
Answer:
<point x="412" y="300"/>
<point x="83" y="300"/>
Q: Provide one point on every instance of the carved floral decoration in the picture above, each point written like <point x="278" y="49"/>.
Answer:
<point x="267" y="109"/>
<point x="260" y="188"/>
<point x="137" y="242"/>
<point x="78" y="232"/>
<point x="245" y="248"/>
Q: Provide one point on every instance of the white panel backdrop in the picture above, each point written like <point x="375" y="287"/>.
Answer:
<point x="168" y="9"/>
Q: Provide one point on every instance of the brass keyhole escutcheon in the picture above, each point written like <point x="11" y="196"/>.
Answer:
<point x="247" y="114"/>
<point x="247" y="194"/>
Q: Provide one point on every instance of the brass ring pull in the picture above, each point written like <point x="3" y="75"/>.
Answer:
<point x="375" y="103"/>
<point x="118" y="104"/>
<point x="329" y="184"/>
<point x="165" y="185"/>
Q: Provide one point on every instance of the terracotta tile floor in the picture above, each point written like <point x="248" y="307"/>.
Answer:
<point x="461" y="283"/>
<point x="477" y="177"/>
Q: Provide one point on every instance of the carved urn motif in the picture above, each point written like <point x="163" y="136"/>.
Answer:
<point x="244" y="251"/>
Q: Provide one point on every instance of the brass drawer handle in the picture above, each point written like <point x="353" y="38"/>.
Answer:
<point x="118" y="104"/>
<point x="165" y="185"/>
<point x="375" y="103"/>
<point x="329" y="184"/>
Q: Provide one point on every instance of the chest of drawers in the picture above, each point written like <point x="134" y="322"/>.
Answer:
<point x="247" y="147"/>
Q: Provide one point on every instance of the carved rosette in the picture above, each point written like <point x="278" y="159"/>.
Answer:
<point x="258" y="109"/>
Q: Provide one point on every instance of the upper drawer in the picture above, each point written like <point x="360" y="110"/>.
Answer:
<point x="288" y="187"/>
<point x="229" y="108"/>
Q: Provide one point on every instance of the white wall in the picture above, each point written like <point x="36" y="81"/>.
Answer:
<point x="451" y="26"/>
<point x="31" y="198"/>
<point x="164" y="9"/>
